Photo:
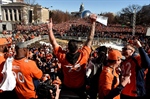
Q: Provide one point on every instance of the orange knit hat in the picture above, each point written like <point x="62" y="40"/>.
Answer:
<point x="114" y="55"/>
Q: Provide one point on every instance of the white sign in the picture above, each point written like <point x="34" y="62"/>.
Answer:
<point x="148" y="32"/>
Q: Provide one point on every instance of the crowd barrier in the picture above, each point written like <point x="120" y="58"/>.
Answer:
<point x="96" y="39"/>
<point x="29" y="42"/>
<point x="84" y="38"/>
<point x="5" y="35"/>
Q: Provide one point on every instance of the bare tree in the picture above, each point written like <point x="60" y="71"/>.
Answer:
<point x="145" y="15"/>
<point x="130" y="9"/>
<point x="60" y="16"/>
<point x="110" y="17"/>
<point x="36" y="13"/>
<point x="30" y="5"/>
<point x="126" y="14"/>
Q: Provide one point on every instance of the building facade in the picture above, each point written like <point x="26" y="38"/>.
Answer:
<point x="2" y="2"/>
<point x="44" y="12"/>
<point x="17" y="12"/>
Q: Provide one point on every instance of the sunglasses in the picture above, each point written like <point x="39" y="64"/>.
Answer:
<point x="126" y="49"/>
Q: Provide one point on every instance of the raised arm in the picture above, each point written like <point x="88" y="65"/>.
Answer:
<point x="51" y="35"/>
<point x="91" y="34"/>
<point x="145" y="61"/>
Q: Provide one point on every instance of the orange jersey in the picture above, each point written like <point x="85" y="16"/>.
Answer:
<point x="127" y="66"/>
<point x="106" y="81"/>
<point x="74" y="75"/>
<point x="25" y="70"/>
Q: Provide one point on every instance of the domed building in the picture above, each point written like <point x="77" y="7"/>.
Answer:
<point x="81" y="8"/>
<point x="78" y="13"/>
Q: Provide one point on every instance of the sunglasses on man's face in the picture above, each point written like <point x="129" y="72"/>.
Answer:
<point x="126" y="49"/>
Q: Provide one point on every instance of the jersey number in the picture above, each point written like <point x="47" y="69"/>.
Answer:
<point x="126" y="68"/>
<point x="19" y="76"/>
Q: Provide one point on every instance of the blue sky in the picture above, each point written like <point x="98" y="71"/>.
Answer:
<point x="95" y="6"/>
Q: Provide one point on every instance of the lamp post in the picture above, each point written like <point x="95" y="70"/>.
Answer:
<point x="134" y="22"/>
<point x="0" y="12"/>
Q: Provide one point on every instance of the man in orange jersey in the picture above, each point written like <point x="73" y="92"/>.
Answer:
<point x="74" y="60"/>
<point x="25" y="71"/>
<point x="110" y="85"/>
<point x="137" y="64"/>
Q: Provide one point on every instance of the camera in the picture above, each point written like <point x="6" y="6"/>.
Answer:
<point x="43" y="89"/>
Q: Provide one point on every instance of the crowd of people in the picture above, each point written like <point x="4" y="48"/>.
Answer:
<point x="80" y="28"/>
<point x="19" y="36"/>
<point x="89" y="73"/>
<point x="83" y="26"/>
